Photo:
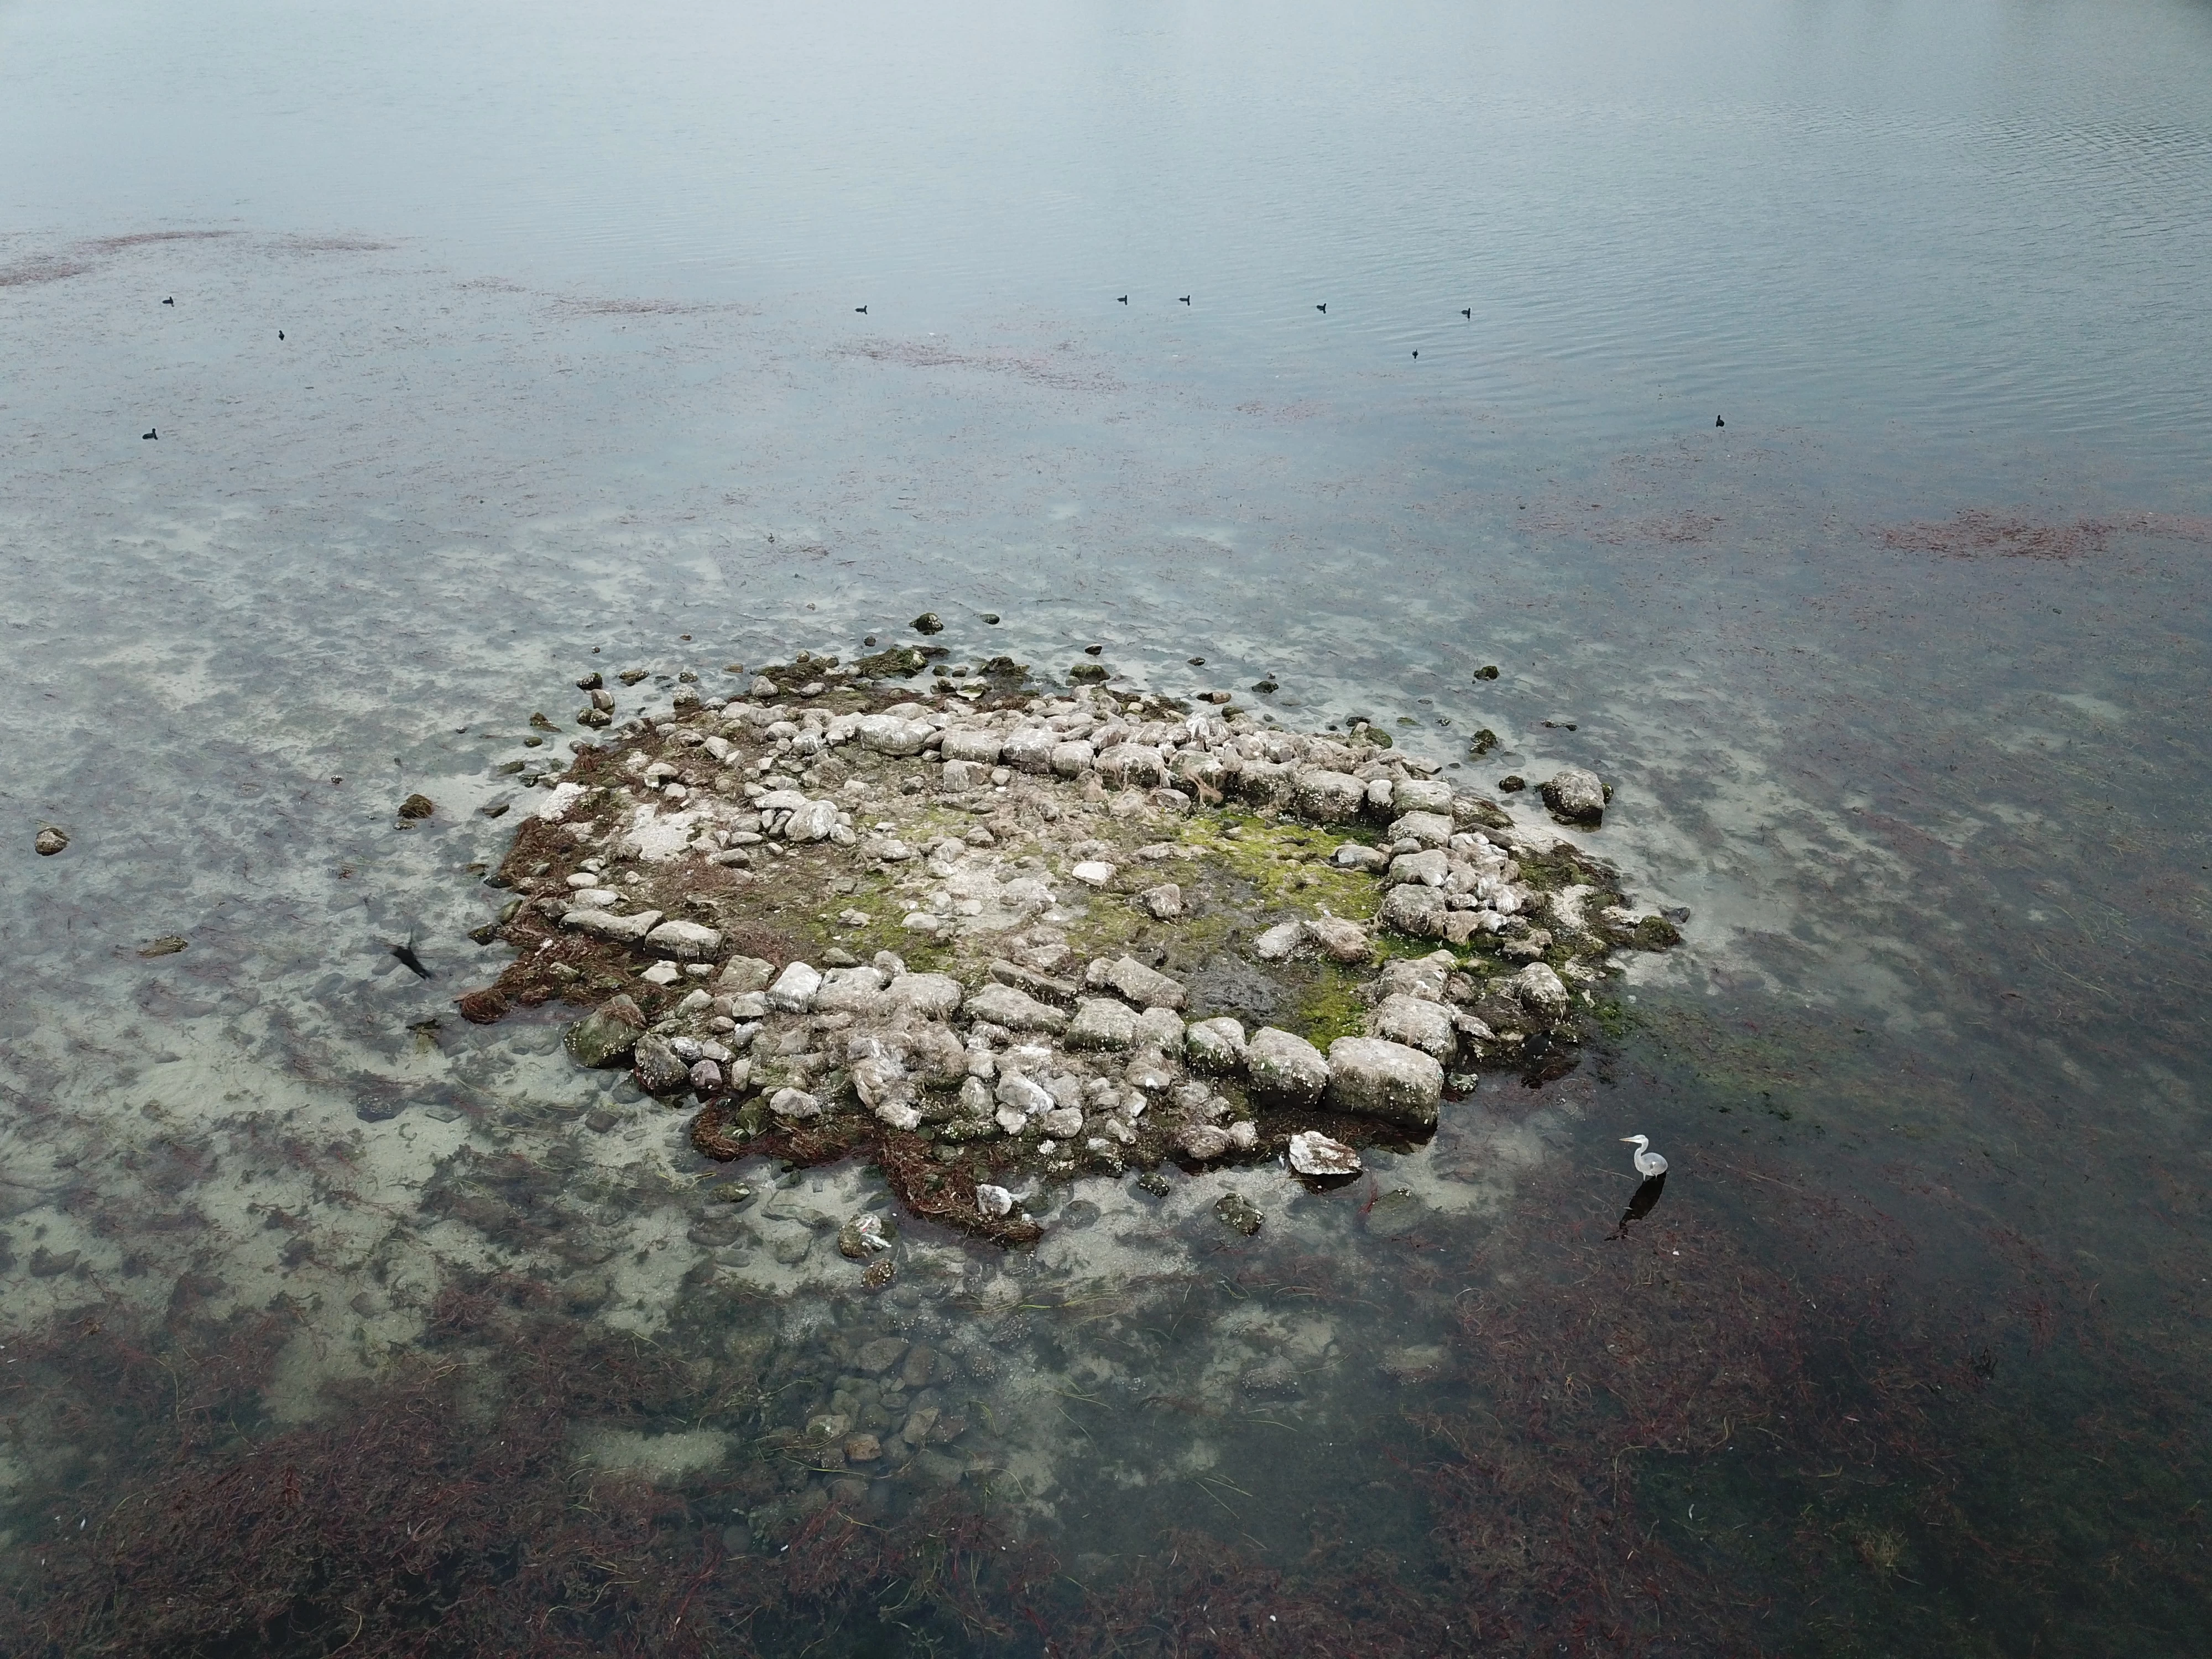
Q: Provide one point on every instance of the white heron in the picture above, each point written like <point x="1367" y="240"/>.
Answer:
<point x="1647" y="1163"/>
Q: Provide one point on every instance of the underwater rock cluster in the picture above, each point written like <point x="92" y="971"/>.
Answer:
<point x="997" y="935"/>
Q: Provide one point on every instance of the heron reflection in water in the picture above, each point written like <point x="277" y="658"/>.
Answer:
<point x="1653" y="1169"/>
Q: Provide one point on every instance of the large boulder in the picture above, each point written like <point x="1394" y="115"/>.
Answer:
<point x="658" y="1069"/>
<point x="961" y="743"/>
<point x="795" y="989"/>
<point x="1431" y="867"/>
<point x="1575" y="796"/>
<point x="889" y="734"/>
<point x="1422" y="795"/>
<point x="1286" y="1068"/>
<point x="849" y="991"/>
<point x="933" y="996"/>
<point x="687" y="941"/>
<point x="1328" y="797"/>
<point x="1416" y="911"/>
<point x="1417" y="1023"/>
<point x="1372" y="1077"/>
<point x="1430" y="828"/>
<point x="1541" y="992"/>
<point x="1341" y="940"/>
<point x="1101" y="1022"/>
<point x="618" y="930"/>
<point x="1216" y="1045"/>
<point x="1132" y="764"/>
<point x="1002" y="1004"/>
<point x="1264" y="783"/>
<point x="606" y="1035"/>
<point x="1030" y="750"/>
<point x="743" y="974"/>
<point x="813" y="821"/>
<point x="1127" y="977"/>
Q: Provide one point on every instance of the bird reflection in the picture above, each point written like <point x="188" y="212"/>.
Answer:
<point x="1646" y="1201"/>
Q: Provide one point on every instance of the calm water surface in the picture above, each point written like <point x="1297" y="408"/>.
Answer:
<point x="1897" y="677"/>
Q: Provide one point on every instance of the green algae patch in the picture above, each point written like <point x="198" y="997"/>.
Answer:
<point x="1285" y="864"/>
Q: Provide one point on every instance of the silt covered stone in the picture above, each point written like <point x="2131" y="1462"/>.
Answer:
<point x="606" y="1035"/>
<point x="1372" y="1077"/>
<point x="1575" y="796"/>
<point x="1284" y="1067"/>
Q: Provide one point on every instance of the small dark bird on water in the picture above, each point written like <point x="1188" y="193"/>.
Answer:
<point x="171" y="301"/>
<point x="1186" y="299"/>
<point x="1125" y="299"/>
<point x="1416" y="353"/>
<point x="1323" y="309"/>
<point x="280" y="334"/>
<point x="861" y="311"/>
<point x="1467" y="312"/>
<point x="151" y="433"/>
<point x="409" y="960"/>
<point x="1718" y="422"/>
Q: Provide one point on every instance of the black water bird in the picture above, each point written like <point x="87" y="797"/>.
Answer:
<point x="1417" y="351"/>
<point x="860" y="311"/>
<point x="151" y="432"/>
<point x="280" y="334"/>
<point x="1323" y="309"/>
<point x="1718" y="422"/>
<point x="171" y="301"/>
<point x="1185" y="297"/>
<point x="409" y="960"/>
<point x="1467" y="312"/>
<point x="1125" y="299"/>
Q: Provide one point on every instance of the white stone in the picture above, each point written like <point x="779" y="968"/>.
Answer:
<point x="888" y="734"/>
<point x="687" y="941"/>
<point x="622" y="930"/>
<point x="1095" y="873"/>
<point x="794" y="988"/>
<point x="898" y="1114"/>
<point x="963" y="744"/>
<point x="795" y="1105"/>
<point x="1313" y="1154"/>
<point x="1281" y="942"/>
<point x="1019" y="1094"/>
<point x="994" y="1200"/>
<point x="554" y="807"/>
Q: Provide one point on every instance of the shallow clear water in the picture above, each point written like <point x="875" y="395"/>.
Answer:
<point x="571" y="364"/>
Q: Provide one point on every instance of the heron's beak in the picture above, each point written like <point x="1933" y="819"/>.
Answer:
<point x="1624" y="1140"/>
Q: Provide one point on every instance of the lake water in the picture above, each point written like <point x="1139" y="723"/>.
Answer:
<point x="1898" y="676"/>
